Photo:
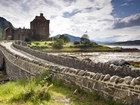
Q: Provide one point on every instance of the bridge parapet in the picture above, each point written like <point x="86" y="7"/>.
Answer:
<point x="88" y="65"/>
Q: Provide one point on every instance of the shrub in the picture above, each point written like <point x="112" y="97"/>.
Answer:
<point x="9" y="37"/>
<point x="27" y="40"/>
<point x="76" y="42"/>
<point x="36" y="43"/>
<point x="58" y="44"/>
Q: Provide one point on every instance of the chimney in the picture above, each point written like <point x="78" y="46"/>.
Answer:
<point x="41" y="14"/>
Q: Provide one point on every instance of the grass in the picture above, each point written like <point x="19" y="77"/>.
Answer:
<point x="41" y="92"/>
<point x="67" y="47"/>
<point x="24" y="92"/>
<point x="134" y="64"/>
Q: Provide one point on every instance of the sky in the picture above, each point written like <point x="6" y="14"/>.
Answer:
<point x="102" y="20"/>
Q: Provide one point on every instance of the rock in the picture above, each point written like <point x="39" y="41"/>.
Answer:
<point x="119" y="62"/>
<point x="128" y="80"/>
<point x="137" y="81"/>
<point x="121" y="80"/>
<point x="117" y="80"/>
<point x="107" y="77"/>
<point x="81" y="73"/>
<point x="112" y="79"/>
<point x="76" y="92"/>
<point x="97" y="76"/>
<point x="118" y="68"/>
<point x="92" y="75"/>
<point x="102" y="77"/>
<point x="133" y="81"/>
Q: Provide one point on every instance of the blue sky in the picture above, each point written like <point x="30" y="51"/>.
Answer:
<point x="104" y="20"/>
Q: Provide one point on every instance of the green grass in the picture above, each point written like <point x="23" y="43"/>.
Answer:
<point x="42" y="92"/>
<point x="24" y="92"/>
<point x="67" y="47"/>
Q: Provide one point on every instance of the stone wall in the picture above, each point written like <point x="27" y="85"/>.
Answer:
<point x="105" y="68"/>
<point x="18" y="67"/>
<point x="121" y="89"/>
<point x="108" y="87"/>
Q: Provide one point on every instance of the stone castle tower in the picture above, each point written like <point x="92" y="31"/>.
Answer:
<point x="41" y="27"/>
<point x="39" y="30"/>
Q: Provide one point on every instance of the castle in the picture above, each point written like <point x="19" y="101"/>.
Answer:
<point x="39" y="30"/>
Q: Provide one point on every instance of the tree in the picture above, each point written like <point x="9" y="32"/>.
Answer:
<point x="65" y="38"/>
<point x="85" y="39"/>
<point x="9" y="37"/>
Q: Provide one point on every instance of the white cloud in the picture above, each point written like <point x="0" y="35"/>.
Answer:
<point x="125" y="4"/>
<point x="93" y="16"/>
<point x="133" y="20"/>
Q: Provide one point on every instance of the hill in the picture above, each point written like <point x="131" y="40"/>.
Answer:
<point x="72" y="37"/>
<point x="134" y="42"/>
<point x="3" y="24"/>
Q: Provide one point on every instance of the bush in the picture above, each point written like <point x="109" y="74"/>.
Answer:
<point x="76" y="42"/>
<point x="9" y="37"/>
<point x="36" y="43"/>
<point x="27" y="40"/>
<point x="58" y="44"/>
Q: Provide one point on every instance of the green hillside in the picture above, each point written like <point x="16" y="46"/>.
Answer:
<point x="3" y="24"/>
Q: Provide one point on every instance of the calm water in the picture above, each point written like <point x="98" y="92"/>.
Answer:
<point x="112" y="46"/>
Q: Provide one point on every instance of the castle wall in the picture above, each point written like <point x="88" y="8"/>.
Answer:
<point x="9" y="31"/>
<point x="39" y="30"/>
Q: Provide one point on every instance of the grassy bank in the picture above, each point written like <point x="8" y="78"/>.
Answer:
<point x="69" y="47"/>
<point x="45" y="92"/>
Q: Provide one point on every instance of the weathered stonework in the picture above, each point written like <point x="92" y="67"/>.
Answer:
<point x="39" y="30"/>
<point x="122" y="86"/>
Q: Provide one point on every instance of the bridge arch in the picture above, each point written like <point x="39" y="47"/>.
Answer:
<point x="3" y="67"/>
<point x="2" y="64"/>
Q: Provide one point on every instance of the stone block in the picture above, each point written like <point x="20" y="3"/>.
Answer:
<point x="97" y="86"/>
<point x="128" y="80"/>
<point x="81" y="72"/>
<point x="90" y="85"/>
<point x="85" y="82"/>
<point x="107" y="77"/>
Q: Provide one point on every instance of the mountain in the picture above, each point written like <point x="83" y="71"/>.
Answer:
<point x="72" y="38"/>
<point x="3" y="24"/>
<point x="134" y="42"/>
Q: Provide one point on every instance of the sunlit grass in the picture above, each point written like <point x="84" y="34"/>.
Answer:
<point x="42" y="92"/>
<point x="67" y="47"/>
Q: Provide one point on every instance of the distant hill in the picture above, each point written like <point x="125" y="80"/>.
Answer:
<point x="72" y="38"/>
<point x="3" y="24"/>
<point x="134" y="42"/>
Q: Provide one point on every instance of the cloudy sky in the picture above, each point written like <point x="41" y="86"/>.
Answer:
<point x="103" y="20"/>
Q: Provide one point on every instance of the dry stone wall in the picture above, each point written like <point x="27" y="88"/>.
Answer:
<point x="88" y="65"/>
<point x="124" y="89"/>
<point x="18" y="67"/>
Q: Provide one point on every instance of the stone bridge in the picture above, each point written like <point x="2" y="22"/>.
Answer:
<point x="119" y="83"/>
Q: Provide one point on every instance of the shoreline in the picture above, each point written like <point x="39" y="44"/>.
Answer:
<point x="86" y="51"/>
